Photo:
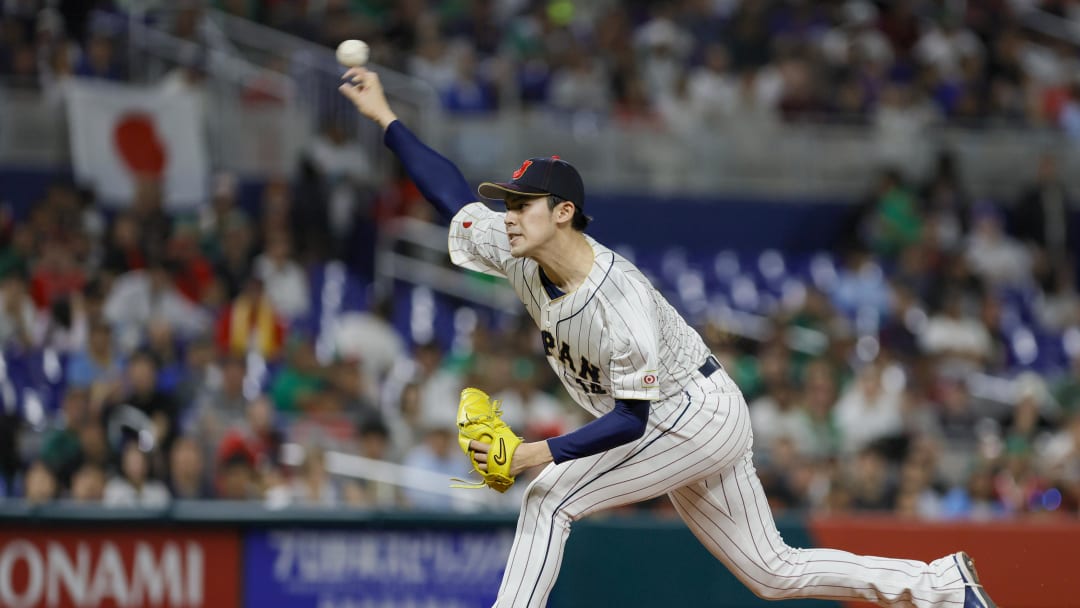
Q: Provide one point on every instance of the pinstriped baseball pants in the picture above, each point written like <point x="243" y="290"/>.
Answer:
<point x="697" y="451"/>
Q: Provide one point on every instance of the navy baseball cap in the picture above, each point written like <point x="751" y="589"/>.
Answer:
<point x="537" y="176"/>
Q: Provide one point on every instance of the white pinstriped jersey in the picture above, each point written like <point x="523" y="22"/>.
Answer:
<point x="614" y="337"/>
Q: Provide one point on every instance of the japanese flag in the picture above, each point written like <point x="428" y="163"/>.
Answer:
<point x="120" y="133"/>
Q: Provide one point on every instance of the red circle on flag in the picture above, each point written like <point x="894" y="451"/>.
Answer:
<point x="139" y="144"/>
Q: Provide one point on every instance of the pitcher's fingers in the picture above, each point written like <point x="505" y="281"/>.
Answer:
<point x="349" y="91"/>
<point x="355" y="74"/>
<point x="480" y="457"/>
<point x="479" y="446"/>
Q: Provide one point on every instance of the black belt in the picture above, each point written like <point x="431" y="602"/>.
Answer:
<point x="710" y="366"/>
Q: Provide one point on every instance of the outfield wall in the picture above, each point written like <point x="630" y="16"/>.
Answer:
<point x="220" y="555"/>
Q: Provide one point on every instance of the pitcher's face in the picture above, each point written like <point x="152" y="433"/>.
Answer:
<point x="529" y="223"/>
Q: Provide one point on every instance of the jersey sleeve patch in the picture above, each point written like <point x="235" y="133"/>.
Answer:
<point x="477" y="240"/>
<point x="649" y="380"/>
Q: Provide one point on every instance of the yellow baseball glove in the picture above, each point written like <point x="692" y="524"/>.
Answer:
<point x="480" y="418"/>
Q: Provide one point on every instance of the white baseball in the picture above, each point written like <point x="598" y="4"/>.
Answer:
<point x="352" y="53"/>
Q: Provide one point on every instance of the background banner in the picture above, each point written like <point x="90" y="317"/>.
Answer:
<point x="294" y="568"/>
<point x="114" y="567"/>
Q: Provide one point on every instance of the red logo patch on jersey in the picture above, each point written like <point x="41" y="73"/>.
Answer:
<point x="521" y="169"/>
<point x="466" y="224"/>
<point x="649" y="379"/>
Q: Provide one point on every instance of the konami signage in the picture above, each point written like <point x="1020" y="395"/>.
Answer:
<point x="119" y="568"/>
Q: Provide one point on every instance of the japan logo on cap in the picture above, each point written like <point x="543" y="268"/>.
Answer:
<point x="521" y="170"/>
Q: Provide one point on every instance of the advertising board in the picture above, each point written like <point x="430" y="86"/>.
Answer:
<point x="119" y="567"/>
<point x="296" y="568"/>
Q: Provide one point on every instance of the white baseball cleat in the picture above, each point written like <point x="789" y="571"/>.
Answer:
<point x="975" y="595"/>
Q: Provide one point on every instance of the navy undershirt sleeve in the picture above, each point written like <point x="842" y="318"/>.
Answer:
<point x="621" y="425"/>
<point x="438" y="179"/>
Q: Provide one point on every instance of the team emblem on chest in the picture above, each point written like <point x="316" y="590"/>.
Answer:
<point x="588" y="375"/>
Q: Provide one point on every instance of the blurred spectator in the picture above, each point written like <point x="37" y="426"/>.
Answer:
<point x="1060" y="456"/>
<point x="436" y="383"/>
<point x="349" y="180"/>
<point x="141" y="391"/>
<point x="974" y="500"/>
<point x="373" y="442"/>
<point x="17" y="322"/>
<point x="996" y="258"/>
<point x="63" y="328"/>
<point x="1017" y="485"/>
<point x="18" y="250"/>
<point x="346" y="382"/>
<point x="124" y="252"/>
<point x="855" y="38"/>
<point x="713" y="87"/>
<point x="370" y="339"/>
<point x="192" y="273"/>
<point x="870" y="409"/>
<point x="861" y="291"/>
<point x="906" y="320"/>
<point x="917" y="495"/>
<point x="403" y="419"/>
<point x="55" y="275"/>
<point x="954" y="337"/>
<point x="901" y="121"/>
<point x="233" y="266"/>
<point x="438" y="452"/>
<point x="1041" y="218"/>
<point x="536" y="413"/>
<point x="235" y="475"/>
<point x="311" y="484"/>
<point x="165" y="348"/>
<point x="98" y="361"/>
<point x="580" y="85"/>
<point x="296" y="386"/>
<point x="872" y="486"/>
<point x="470" y="91"/>
<point x="249" y="449"/>
<point x="133" y="487"/>
<point x="818" y="395"/>
<point x="890" y="220"/>
<point x="1059" y="306"/>
<point x="220" y="403"/>
<point x="262" y="435"/>
<point x="945" y="204"/>
<point x="61" y="450"/>
<point x="41" y="485"/>
<point x="1067" y="389"/>
<point x="138" y="296"/>
<point x="285" y="282"/>
<point x="187" y="475"/>
<point x="88" y="484"/>
<point x="216" y="219"/>
<point x="154" y="223"/>
<point x="1032" y="415"/>
<point x="250" y="324"/>
<point x="100" y="60"/>
<point x="775" y="417"/>
<point x="946" y="44"/>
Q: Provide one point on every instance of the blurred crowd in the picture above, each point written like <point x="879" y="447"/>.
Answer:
<point x="683" y="63"/>
<point x="700" y="63"/>
<point x="937" y="373"/>
<point x="149" y="357"/>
